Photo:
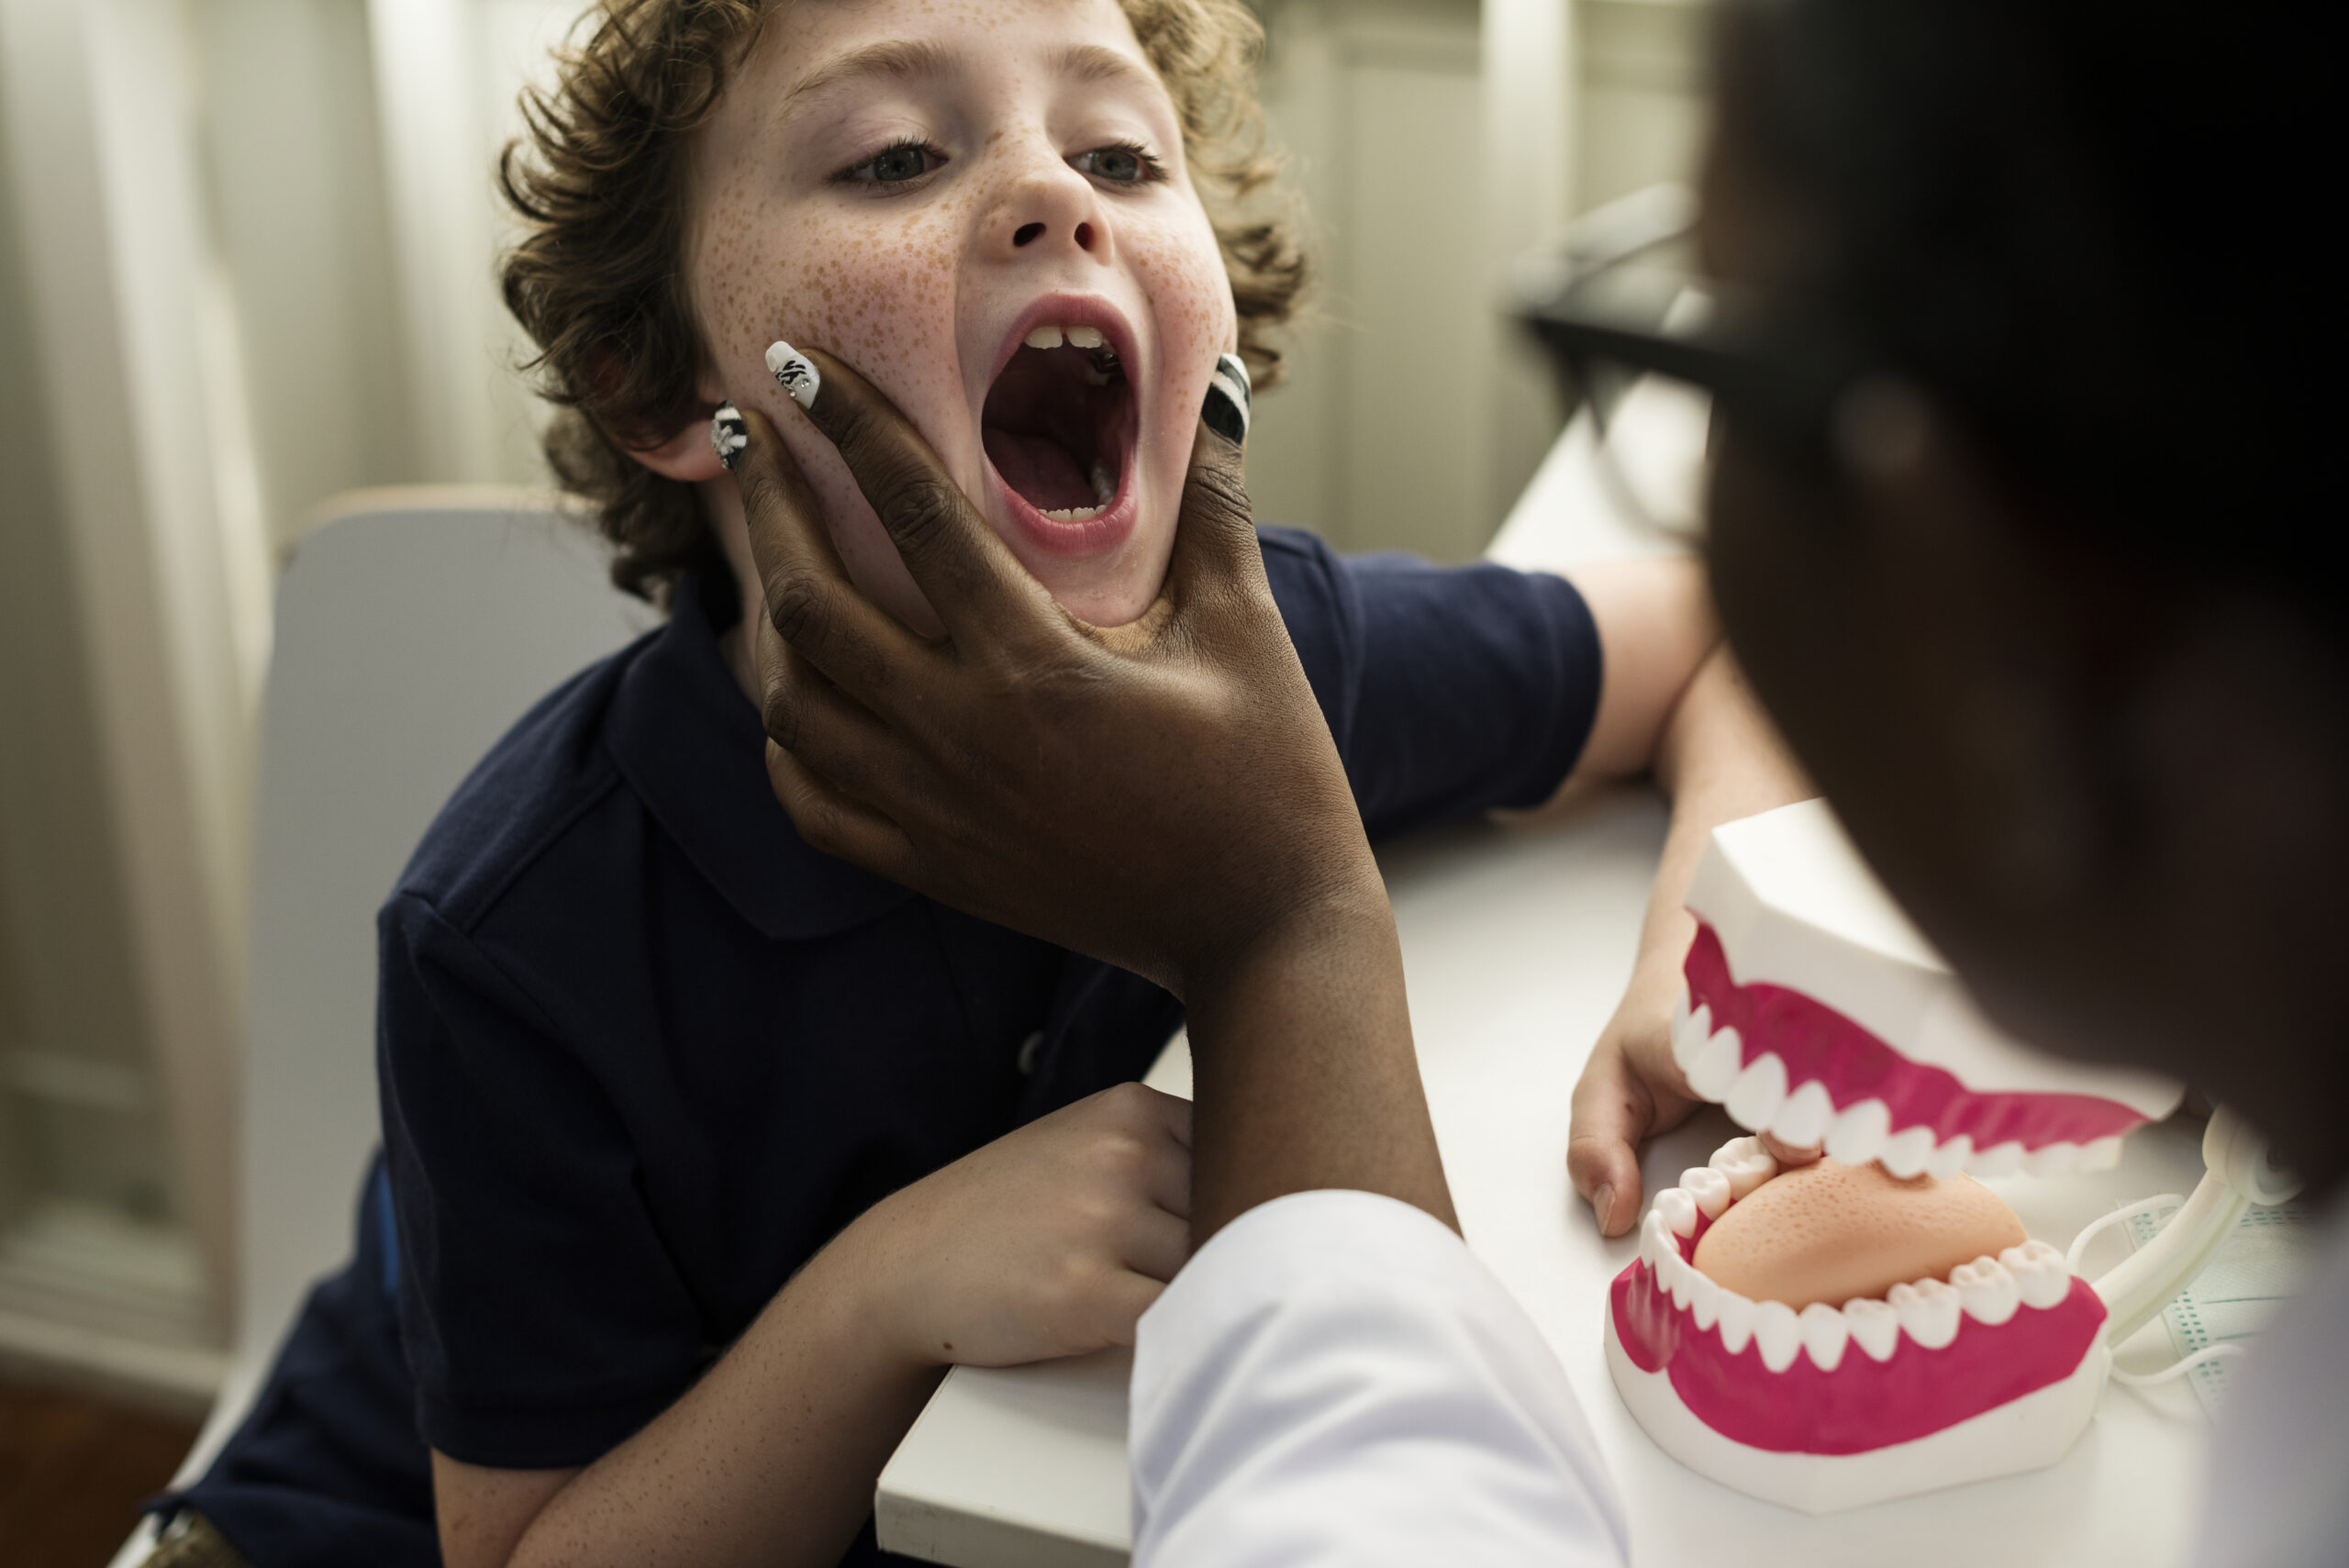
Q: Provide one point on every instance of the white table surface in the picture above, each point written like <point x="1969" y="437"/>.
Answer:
<point x="1516" y="943"/>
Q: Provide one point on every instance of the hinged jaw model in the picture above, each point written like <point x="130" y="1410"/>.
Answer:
<point x="1815" y="1011"/>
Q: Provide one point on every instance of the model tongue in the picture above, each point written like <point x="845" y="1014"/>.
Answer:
<point x="1040" y="468"/>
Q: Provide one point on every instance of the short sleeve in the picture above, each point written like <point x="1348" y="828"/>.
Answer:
<point x="544" y="1321"/>
<point x="1335" y="1379"/>
<point x="1450" y="690"/>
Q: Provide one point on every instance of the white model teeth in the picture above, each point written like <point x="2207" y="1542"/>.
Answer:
<point x="1760" y="1090"/>
<point x="1690" y="1031"/>
<point x="1704" y="1301"/>
<point x="1876" y="1326"/>
<point x="1990" y="1291"/>
<point x="1928" y="1311"/>
<point x="1678" y="1210"/>
<point x="1657" y="1246"/>
<point x="1073" y="514"/>
<point x="1825" y="1333"/>
<point x="1737" y="1321"/>
<point x="1085" y="338"/>
<point x="1948" y="1159"/>
<point x="1043" y="338"/>
<point x="1998" y="1159"/>
<point x="1802" y="1121"/>
<point x="1758" y="1096"/>
<point x="1717" y="1067"/>
<point x="1745" y="1163"/>
<point x="1778" y="1334"/>
<point x="1708" y="1187"/>
<point x="1857" y="1135"/>
<point x="1987" y="1291"/>
<point x="2042" y="1277"/>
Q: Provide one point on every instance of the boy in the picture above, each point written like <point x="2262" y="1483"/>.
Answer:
<point x="705" y="1152"/>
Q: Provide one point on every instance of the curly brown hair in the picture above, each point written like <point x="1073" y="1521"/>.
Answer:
<point x="599" y="182"/>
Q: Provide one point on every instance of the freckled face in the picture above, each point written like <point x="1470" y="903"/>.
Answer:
<point x="926" y="191"/>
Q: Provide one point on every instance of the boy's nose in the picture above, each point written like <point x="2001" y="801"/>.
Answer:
<point x="1048" y="209"/>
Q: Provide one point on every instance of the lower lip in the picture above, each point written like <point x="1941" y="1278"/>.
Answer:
<point x="1096" y="535"/>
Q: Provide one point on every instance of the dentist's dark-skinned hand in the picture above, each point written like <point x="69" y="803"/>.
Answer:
<point x="1165" y="795"/>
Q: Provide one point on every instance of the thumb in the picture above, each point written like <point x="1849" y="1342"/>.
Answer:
<point x="1216" y="541"/>
<point x="1612" y="1111"/>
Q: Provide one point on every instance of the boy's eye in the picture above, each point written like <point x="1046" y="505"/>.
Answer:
<point x="893" y="166"/>
<point x="1123" y="165"/>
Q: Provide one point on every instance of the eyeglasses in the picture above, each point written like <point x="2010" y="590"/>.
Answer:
<point x="1658" y="355"/>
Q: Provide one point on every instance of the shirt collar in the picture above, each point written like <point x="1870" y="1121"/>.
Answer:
<point x="690" y="744"/>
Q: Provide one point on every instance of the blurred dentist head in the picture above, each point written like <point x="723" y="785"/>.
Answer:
<point x="2034" y="560"/>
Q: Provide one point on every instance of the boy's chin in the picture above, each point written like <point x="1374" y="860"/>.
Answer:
<point x="1104" y="605"/>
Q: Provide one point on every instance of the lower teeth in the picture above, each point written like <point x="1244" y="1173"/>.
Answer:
<point x="1074" y="514"/>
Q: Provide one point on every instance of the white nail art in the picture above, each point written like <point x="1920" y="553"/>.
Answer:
<point x="796" y="370"/>
<point x="1226" y="412"/>
<point x="728" y="434"/>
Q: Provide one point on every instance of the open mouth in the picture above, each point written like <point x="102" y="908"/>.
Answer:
<point x="1059" y="427"/>
<point x="1992" y="1369"/>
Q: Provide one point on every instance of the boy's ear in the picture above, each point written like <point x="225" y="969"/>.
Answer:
<point x="686" y="455"/>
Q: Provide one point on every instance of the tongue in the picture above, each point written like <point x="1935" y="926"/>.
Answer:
<point x="1043" y="472"/>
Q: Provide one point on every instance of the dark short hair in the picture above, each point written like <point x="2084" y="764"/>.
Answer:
<point x="599" y="180"/>
<point x="2085" y="226"/>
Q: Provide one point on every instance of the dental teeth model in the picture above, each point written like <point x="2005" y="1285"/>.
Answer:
<point x="1993" y="1368"/>
<point x="1815" y="1011"/>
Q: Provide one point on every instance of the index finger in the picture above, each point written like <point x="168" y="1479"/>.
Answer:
<point x="966" y="571"/>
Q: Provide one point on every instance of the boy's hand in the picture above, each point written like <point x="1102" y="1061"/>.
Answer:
<point x="1629" y="1089"/>
<point x="1163" y="796"/>
<point x="1049" y="1241"/>
<point x="1632" y="1089"/>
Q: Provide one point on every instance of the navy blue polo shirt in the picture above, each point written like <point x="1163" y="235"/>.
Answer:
<point x="642" y="1051"/>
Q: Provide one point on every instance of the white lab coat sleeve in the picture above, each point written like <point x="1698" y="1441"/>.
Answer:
<point x="1336" y="1379"/>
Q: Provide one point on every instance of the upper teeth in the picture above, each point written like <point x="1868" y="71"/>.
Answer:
<point x="1075" y="336"/>
<point x="1757" y="1094"/>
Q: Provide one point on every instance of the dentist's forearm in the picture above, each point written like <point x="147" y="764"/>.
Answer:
<point x="1304" y="1069"/>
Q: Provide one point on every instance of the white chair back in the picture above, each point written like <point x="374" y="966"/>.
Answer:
<point x="413" y="628"/>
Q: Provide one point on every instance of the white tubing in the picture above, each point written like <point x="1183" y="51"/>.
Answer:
<point x="2098" y="1227"/>
<point x="2239" y="1173"/>
<point x="2140" y="1284"/>
<point x="2177" y="1368"/>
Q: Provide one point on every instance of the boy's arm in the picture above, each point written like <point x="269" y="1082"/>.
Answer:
<point x="1672" y="702"/>
<point x="772" y="1457"/>
<point x="1049" y="1241"/>
<point x="1717" y="759"/>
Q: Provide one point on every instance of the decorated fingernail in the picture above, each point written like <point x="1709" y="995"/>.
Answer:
<point x="728" y="434"/>
<point x="796" y="370"/>
<point x="1227" y="407"/>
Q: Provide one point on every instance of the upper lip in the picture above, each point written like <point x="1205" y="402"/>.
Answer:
<point x="1070" y="310"/>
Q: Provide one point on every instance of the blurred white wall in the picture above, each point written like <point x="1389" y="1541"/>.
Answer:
<point x="1436" y="141"/>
